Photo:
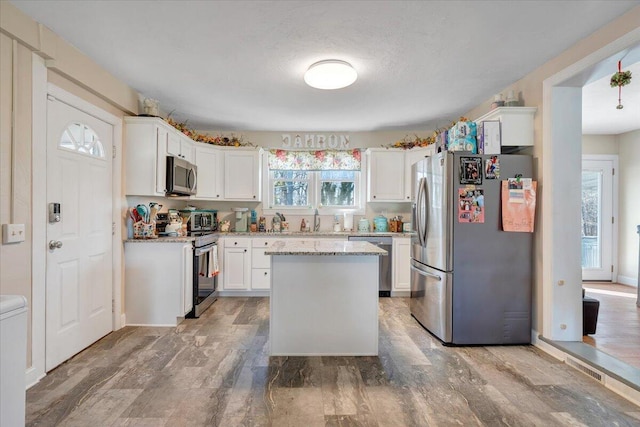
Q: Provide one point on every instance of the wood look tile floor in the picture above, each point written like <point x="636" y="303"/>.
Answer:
<point x="215" y="371"/>
<point x="618" y="326"/>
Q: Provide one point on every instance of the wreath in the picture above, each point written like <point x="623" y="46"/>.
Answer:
<point x="621" y="78"/>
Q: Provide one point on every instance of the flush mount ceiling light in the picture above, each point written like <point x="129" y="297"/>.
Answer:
<point x="330" y="74"/>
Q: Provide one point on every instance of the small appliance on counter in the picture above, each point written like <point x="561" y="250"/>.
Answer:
<point x="200" y="221"/>
<point x="241" y="219"/>
<point x="162" y="220"/>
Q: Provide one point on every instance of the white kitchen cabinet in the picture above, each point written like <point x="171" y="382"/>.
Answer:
<point x="145" y="156"/>
<point x="158" y="282"/>
<point x="260" y="264"/>
<point x="385" y="173"/>
<point x="237" y="264"/>
<point x="181" y="146"/>
<point x="209" y="164"/>
<point x="242" y="174"/>
<point x="516" y="125"/>
<point x="401" y="264"/>
<point x="410" y="157"/>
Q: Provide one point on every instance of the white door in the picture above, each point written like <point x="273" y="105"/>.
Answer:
<point x="597" y="220"/>
<point x="79" y="260"/>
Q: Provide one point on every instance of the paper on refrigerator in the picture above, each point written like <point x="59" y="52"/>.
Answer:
<point x="518" y="205"/>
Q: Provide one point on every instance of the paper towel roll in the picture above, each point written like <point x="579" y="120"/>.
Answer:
<point x="348" y="221"/>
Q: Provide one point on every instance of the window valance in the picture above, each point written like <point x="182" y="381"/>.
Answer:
<point x="319" y="160"/>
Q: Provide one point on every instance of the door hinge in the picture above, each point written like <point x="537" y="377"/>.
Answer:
<point x="613" y="220"/>
<point x="113" y="306"/>
<point x="613" y="171"/>
<point x="612" y="268"/>
<point x="113" y="156"/>
<point x="113" y="228"/>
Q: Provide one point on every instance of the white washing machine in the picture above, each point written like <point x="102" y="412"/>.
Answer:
<point x="13" y="359"/>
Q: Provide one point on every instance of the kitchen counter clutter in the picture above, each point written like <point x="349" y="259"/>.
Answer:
<point x="324" y="298"/>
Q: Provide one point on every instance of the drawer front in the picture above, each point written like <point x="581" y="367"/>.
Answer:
<point x="240" y="242"/>
<point x="259" y="259"/>
<point x="261" y="242"/>
<point x="261" y="278"/>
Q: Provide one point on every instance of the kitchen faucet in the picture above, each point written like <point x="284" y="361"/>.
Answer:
<point x="316" y="221"/>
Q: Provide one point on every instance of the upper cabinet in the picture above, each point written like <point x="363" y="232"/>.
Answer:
<point x="146" y="143"/>
<point x="242" y="174"/>
<point x="516" y="125"/>
<point x="389" y="173"/>
<point x="385" y="175"/>
<point x="180" y="145"/>
<point x="209" y="163"/>
<point x="224" y="173"/>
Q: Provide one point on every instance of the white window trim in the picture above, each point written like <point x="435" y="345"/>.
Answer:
<point x="359" y="209"/>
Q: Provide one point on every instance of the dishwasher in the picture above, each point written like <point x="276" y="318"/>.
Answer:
<point x="383" y="242"/>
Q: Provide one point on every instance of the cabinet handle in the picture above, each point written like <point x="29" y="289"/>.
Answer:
<point x="245" y="250"/>
<point x="266" y="243"/>
<point x="217" y="195"/>
<point x="254" y="197"/>
<point x="265" y="273"/>
<point x="235" y="243"/>
<point x="374" y="197"/>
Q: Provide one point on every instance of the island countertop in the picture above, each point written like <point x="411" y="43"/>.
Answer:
<point x="322" y="247"/>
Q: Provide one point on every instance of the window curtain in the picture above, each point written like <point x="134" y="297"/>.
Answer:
<point x="320" y="160"/>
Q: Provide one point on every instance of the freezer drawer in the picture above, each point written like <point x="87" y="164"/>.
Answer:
<point x="431" y="300"/>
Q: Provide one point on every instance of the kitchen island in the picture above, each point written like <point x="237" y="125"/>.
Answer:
<point x="324" y="298"/>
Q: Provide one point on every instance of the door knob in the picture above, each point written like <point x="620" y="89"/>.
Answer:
<point x="55" y="244"/>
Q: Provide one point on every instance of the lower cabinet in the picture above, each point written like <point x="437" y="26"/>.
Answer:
<point x="236" y="267"/>
<point x="260" y="264"/>
<point x="401" y="264"/>
<point x="158" y="282"/>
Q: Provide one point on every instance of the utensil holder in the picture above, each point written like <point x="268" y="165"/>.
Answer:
<point x="144" y="230"/>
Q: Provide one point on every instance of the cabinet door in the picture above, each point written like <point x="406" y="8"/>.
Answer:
<point x="386" y="176"/>
<point x="173" y="144"/>
<point x="401" y="264"/>
<point x="261" y="278"/>
<point x="187" y="149"/>
<point x="412" y="156"/>
<point x="209" y="164"/>
<point x="187" y="278"/>
<point x="242" y="173"/>
<point x="145" y="157"/>
<point x="237" y="270"/>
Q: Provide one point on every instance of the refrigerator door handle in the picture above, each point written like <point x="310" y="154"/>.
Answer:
<point x="419" y="214"/>
<point x="425" y="221"/>
<point x="424" y="273"/>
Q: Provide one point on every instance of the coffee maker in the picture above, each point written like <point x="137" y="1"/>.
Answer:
<point x="241" y="219"/>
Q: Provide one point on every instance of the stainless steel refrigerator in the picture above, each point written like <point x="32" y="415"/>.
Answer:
<point x="470" y="281"/>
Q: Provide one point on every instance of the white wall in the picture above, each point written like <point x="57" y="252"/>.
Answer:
<point x="629" y="210"/>
<point x="599" y="144"/>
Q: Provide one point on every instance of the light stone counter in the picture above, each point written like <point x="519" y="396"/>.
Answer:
<point x="323" y="247"/>
<point x="324" y="298"/>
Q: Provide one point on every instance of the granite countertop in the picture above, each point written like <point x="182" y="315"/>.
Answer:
<point x="282" y="235"/>
<point x="163" y="239"/>
<point x="323" y="247"/>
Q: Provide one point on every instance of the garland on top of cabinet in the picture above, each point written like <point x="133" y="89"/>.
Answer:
<point x="408" y="142"/>
<point x="232" y="141"/>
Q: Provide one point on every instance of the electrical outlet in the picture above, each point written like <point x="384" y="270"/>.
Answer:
<point x="13" y="233"/>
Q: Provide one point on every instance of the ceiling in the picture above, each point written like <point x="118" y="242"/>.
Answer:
<point x="239" y="65"/>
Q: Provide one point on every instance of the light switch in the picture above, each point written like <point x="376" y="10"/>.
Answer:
<point x="13" y="233"/>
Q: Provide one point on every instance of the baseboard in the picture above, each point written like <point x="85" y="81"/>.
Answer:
<point x="627" y="280"/>
<point x="264" y="293"/>
<point x="405" y="294"/>
<point x="33" y="376"/>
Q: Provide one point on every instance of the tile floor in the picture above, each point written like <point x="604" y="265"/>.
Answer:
<point x="215" y="371"/>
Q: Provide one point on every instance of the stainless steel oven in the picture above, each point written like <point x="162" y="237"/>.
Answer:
<point x="205" y="273"/>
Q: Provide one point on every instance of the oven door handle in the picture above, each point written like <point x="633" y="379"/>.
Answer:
<point x="205" y="250"/>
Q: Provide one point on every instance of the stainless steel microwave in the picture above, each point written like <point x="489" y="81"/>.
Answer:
<point x="181" y="177"/>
